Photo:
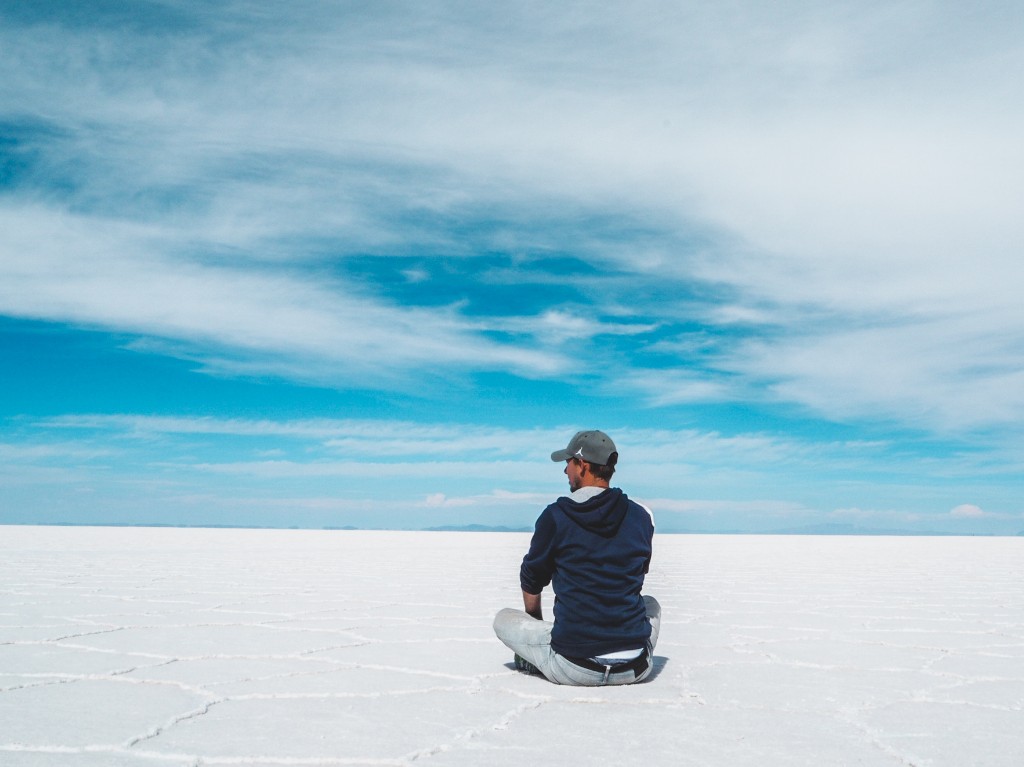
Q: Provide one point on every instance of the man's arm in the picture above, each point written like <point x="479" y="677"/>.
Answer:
<point x="531" y="603"/>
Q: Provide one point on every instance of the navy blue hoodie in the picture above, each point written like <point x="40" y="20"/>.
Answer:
<point x="595" y="554"/>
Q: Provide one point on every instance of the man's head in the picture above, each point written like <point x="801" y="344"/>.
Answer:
<point x="590" y="459"/>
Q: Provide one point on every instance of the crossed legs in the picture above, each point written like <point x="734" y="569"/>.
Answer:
<point x="531" y="639"/>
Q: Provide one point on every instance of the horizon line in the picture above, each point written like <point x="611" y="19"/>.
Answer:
<point x="476" y="528"/>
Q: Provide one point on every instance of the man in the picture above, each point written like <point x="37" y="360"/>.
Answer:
<point x="594" y="548"/>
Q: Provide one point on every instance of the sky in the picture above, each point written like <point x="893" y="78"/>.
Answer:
<point x="367" y="264"/>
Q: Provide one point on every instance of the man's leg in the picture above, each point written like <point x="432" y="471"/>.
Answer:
<point x="527" y="637"/>
<point x="531" y="639"/>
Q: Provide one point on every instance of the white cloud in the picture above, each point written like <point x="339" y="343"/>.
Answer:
<point x="14" y="453"/>
<point x="358" y="439"/>
<point x="967" y="511"/>
<point x="725" y="508"/>
<point x="117" y="277"/>
<point x="555" y="327"/>
<point x="494" y="499"/>
<point x="947" y="373"/>
<point x="673" y="387"/>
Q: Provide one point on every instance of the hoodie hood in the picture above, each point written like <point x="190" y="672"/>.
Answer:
<point x="601" y="514"/>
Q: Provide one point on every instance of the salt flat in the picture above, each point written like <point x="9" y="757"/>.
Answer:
<point x="132" y="647"/>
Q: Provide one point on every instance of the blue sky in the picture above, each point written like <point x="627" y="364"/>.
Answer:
<point x="329" y="264"/>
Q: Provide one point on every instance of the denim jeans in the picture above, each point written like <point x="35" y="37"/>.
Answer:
<point x="531" y="640"/>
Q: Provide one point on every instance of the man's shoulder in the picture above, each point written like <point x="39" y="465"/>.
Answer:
<point x="546" y="519"/>
<point x="641" y="508"/>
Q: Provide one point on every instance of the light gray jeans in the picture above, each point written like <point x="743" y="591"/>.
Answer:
<point x="531" y="640"/>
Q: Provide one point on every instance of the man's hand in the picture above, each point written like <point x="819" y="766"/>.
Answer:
<point x="531" y="603"/>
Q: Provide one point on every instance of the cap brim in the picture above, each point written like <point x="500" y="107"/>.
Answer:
<point x="561" y="455"/>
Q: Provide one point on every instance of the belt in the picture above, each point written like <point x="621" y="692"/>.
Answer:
<point x="638" y="665"/>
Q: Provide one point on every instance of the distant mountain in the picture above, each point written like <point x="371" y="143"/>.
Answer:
<point x="478" y="529"/>
<point x="827" y="528"/>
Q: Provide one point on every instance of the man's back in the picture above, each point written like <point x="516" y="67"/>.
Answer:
<point x="595" y="554"/>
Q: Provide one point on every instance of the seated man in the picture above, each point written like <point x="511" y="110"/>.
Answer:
<point x="594" y="547"/>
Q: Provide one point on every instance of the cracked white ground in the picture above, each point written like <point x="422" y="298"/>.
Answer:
<point x="136" y="647"/>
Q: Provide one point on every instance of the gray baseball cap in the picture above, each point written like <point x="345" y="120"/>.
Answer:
<point x="591" y="446"/>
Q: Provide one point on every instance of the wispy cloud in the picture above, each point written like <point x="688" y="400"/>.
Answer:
<point x="952" y="373"/>
<point x="967" y="511"/>
<point x="369" y="437"/>
<point x="229" y="315"/>
<point x="495" y="498"/>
